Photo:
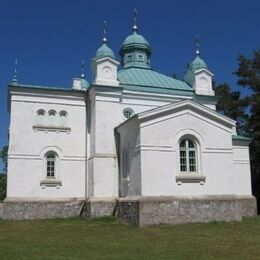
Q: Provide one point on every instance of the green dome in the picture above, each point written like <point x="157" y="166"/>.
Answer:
<point x="104" y="51"/>
<point x="84" y="84"/>
<point x="135" y="51"/>
<point x="135" y="39"/>
<point x="197" y="64"/>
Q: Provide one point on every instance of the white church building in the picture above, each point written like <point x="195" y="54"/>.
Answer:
<point x="133" y="142"/>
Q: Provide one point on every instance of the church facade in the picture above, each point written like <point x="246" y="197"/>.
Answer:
<point x="133" y="142"/>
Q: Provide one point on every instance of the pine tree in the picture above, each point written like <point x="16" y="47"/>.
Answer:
<point x="248" y="73"/>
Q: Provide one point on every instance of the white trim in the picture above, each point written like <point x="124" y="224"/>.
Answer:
<point x="56" y="129"/>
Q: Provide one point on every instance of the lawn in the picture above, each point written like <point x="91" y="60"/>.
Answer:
<point x="107" y="238"/>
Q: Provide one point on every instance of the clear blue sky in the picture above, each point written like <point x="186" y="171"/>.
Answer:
<point x="49" y="38"/>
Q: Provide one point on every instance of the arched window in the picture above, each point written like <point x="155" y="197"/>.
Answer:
<point x="188" y="156"/>
<point x="51" y="164"/>
<point x="63" y="118"/>
<point x="52" y="117"/>
<point x="40" y="118"/>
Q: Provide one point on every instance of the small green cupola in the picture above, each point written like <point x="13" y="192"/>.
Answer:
<point x="135" y="51"/>
<point x="104" y="51"/>
<point x="80" y="83"/>
<point x="104" y="65"/>
<point x="195" y="65"/>
<point x="198" y="75"/>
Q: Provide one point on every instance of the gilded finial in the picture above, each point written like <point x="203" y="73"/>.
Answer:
<point x="197" y="44"/>
<point x="15" y="79"/>
<point x="82" y="75"/>
<point x="105" y="32"/>
<point x="135" y="28"/>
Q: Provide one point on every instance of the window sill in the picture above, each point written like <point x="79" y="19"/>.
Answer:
<point x="50" y="183"/>
<point x="190" y="178"/>
<point x="51" y="128"/>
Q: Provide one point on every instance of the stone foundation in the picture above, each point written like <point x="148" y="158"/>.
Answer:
<point x="40" y="209"/>
<point x="143" y="211"/>
<point x="99" y="207"/>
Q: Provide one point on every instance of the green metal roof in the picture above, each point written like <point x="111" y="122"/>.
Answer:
<point x="241" y="138"/>
<point x="104" y="51"/>
<point x="147" y="79"/>
<point x="18" y="85"/>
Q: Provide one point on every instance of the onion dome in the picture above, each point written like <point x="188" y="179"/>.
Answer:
<point x="197" y="64"/>
<point x="104" y="50"/>
<point x="135" y="50"/>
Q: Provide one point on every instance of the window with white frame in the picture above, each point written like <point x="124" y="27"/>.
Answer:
<point x="52" y="117"/>
<point x="51" y="121"/>
<point x="188" y="156"/>
<point x="40" y="117"/>
<point x="63" y="118"/>
<point x="51" y="164"/>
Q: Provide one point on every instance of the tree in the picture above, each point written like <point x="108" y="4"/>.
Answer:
<point x="248" y="73"/>
<point x="3" y="177"/>
<point x="232" y="105"/>
<point x="3" y="180"/>
<point x="4" y="157"/>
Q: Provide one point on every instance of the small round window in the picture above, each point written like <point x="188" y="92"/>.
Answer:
<point x="128" y="112"/>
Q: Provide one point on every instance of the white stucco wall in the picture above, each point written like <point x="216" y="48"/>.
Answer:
<point x="160" y="162"/>
<point x="28" y="145"/>
<point x="242" y="169"/>
<point x="106" y="112"/>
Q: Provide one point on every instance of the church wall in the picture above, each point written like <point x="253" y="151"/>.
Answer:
<point x="159" y="142"/>
<point x="130" y="143"/>
<point x="107" y="107"/>
<point x="29" y="144"/>
<point x="242" y="169"/>
<point x="102" y="158"/>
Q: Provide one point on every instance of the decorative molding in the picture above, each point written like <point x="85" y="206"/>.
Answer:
<point x="190" y="178"/>
<point x="102" y="155"/>
<point x="50" y="183"/>
<point x="155" y="148"/>
<point x="56" y="129"/>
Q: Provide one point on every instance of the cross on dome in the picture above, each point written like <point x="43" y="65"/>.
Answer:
<point x="197" y="44"/>
<point x="105" y="32"/>
<point x="15" y="79"/>
<point x="82" y="69"/>
<point x="135" y="28"/>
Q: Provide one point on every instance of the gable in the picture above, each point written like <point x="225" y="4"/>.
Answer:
<point x="161" y="113"/>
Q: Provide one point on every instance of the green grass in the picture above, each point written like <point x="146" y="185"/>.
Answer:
<point x="107" y="238"/>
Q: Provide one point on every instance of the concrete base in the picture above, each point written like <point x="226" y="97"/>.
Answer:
<point x="143" y="211"/>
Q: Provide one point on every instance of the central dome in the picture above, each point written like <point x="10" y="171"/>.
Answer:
<point x="135" y="51"/>
<point x="135" y="38"/>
